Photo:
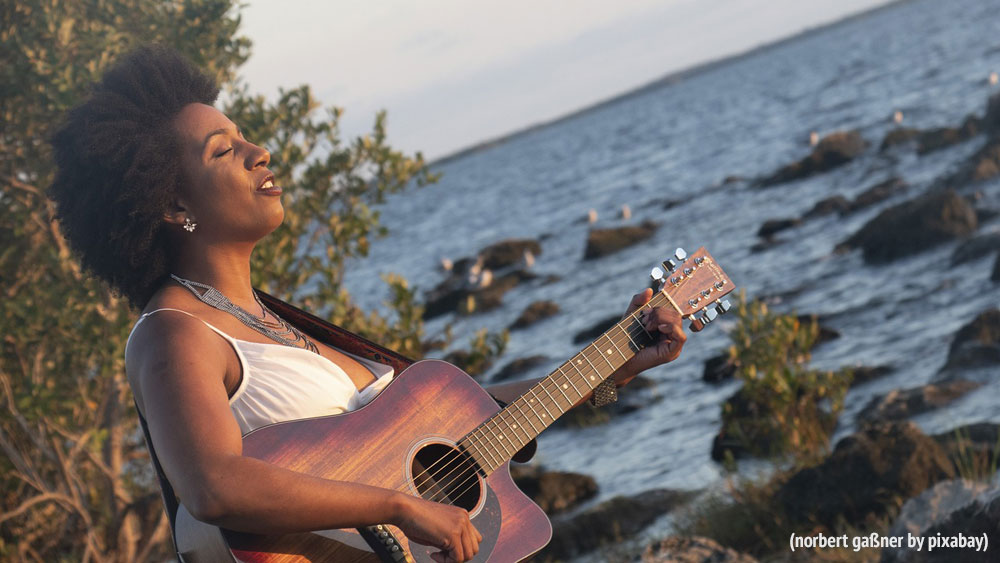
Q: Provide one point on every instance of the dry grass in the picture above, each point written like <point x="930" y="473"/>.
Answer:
<point x="747" y="518"/>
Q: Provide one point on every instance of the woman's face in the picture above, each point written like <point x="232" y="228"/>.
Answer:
<point x="228" y="190"/>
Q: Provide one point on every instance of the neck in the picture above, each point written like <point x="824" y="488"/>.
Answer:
<point x="225" y="269"/>
<point x="495" y="441"/>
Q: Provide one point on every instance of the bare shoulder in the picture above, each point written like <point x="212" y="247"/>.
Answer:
<point x="170" y="346"/>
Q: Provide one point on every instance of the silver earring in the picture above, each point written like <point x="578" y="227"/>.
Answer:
<point x="189" y="225"/>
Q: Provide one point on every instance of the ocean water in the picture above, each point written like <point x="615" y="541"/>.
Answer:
<point x="678" y="142"/>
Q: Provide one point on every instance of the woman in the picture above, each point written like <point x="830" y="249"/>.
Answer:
<point x="163" y="198"/>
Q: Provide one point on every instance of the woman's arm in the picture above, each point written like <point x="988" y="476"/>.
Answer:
<point x="177" y="367"/>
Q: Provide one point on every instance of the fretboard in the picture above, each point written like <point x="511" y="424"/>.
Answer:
<point x="495" y="441"/>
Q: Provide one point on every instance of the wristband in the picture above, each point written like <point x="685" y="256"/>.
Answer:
<point x="605" y="393"/>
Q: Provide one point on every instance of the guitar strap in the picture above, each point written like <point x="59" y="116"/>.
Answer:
<point x="327" y="333"/>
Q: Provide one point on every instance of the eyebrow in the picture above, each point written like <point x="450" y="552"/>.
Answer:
<point x="221" y="131"/>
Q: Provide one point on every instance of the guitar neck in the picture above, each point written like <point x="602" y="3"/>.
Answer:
<point x="495" y="441"/>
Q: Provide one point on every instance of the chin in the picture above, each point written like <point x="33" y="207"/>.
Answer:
<point x="276" y="220"/>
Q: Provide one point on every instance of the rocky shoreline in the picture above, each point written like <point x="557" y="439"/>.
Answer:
<point x="888" y="476"/>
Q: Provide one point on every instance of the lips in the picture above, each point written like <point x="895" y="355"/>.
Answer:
<point x="268" y="188"/>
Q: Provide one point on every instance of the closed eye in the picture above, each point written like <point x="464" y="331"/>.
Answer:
<point x="223" y="153"/>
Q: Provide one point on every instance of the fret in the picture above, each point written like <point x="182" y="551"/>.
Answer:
<point x="541" y="385"/>
<point x="507" y="431"/>
<point x="514" y="426"/>
<point x="561" y="390"/>
<point x="537" y="431"/>
<point x="472" y="447"/>
<point x="642" y="326"/>
<point x="628" y="334"/>
<point x="577" y="368"/>
<point x="605" y="356"/>
<point x="592" y="366"/>
<point x="576" y="365"/>
<point x="509" y="439"/>
<point x="506" y="454"/>
<point x="492" y="460"/>
<point x="624" y="358"/>
<point x="535" y="400"/>
<point x="570" y="380"/>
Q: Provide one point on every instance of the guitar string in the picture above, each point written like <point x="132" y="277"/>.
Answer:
<point x="506" y="454"/>
<point x="492" y="447"/>
<point x="474" y="477"/>
<point x="470" y="480"/>
<point x="583" y="353"/>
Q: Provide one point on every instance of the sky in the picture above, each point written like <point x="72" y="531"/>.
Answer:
<point x="452" y="73"/>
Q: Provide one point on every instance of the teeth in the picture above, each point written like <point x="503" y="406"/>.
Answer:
<point x="267" y="185"/>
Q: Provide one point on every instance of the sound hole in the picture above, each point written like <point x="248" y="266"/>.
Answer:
<point x="443" y="473"/>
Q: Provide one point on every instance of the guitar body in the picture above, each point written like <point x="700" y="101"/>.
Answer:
<point x="410" y="426"/>
<point x="406" y="440"/>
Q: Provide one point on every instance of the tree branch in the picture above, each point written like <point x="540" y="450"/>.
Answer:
<point x="44" y="497"/>
<point x="15" y="183"/>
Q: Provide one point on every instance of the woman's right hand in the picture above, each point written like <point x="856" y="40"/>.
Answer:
<point x="443" y="526"/>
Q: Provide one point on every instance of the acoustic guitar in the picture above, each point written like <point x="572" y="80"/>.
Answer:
<point x="435" y="433"/>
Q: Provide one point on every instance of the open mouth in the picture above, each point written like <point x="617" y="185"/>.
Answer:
<point x="268" y="187"/>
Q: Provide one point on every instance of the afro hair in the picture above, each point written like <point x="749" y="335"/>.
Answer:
<point x="117" y="168"/>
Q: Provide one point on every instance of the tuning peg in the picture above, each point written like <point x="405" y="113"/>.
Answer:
<point x="710" y="315"/>
<point x="699" y="323"/>
<point x="656" y="274"/>
<point x="723" y="306"/>
<point x="679" y="256"/>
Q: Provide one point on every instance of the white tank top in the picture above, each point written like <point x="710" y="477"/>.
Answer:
<point x="282" y="383"/>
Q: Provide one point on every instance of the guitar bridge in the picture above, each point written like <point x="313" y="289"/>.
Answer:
<point x="384" y="544"/>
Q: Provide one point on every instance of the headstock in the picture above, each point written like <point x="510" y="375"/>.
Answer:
<point x="694" y="284"/>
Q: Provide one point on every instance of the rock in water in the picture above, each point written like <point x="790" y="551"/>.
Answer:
<point x="609" y="522"/>
<point x="901" y="404"/>
<point x="943" y="137"/>
<point x="877" y="193"/>
<point x="834" y="150"/>
<point x="718" y="368"/>
<point x="774" y="226"/>
<point x="864" y="374"/>
<point x="976" y="344"/>
<point x="601" y="242"/>
<point x="508" y="253"/>
<point x="981" y="166"/>
<point x="991" y="123"/>
<point x="588" y="335"/>
<point x="914" y="226"/>
<point x="553" y="491"/>
<point x="867" y="475"/>
<point x="535" y="312"/>
<point x="692" y="549"/>
<point x="946" y="511"/>
<point x="828" y="206"/>
<point x="898" y="136"/>
<point x="976" y="247"/>
<point x="519" y="366"/>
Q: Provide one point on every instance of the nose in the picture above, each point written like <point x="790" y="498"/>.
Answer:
<point x="257" y="156"/>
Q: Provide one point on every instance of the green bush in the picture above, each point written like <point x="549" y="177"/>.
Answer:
<point x="783" y="408"/>
<point x="76" y="480"/>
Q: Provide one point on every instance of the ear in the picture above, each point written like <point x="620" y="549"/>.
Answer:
<point x="177" y="213"/>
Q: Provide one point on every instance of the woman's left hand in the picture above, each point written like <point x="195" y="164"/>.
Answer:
<point x="664" y="324"/>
